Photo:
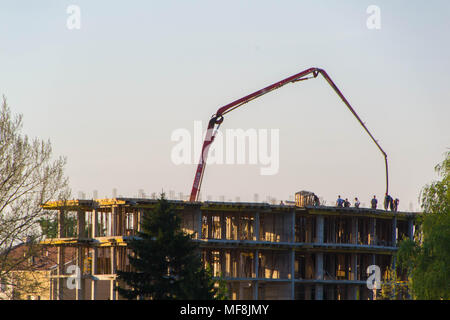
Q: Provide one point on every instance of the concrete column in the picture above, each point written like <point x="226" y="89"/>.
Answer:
<point x="112" y="293"/>
<point x="113" y="252"/>
<point x="255" y="283"/>
<point x="354" y="230"/>
<point x="114" y="211"/>
<point x="256" y="263"/>
<point x="94" y="228"/>
<point x="411" y="229"/>
<point x="81" y="224"/>
<point x="293" y="226"/>
<point x="93" y="272"/>
<point x="223" y="226"/>
<point x="293" y="274"/>
<point x="255" y="290"/>
<point x="256" y="226"/>
<point x="394" y="231"/>
<point x="105" y="224"/>
<point x="354" y="276"/>
<point x="60" y="257"/>
<point x="222" y="262"/>
<point x="319" y="292"/>
<point x="60" y="271"/>
<point x="308" y="230"/>
<point x="373" y="231"/>
<point x="354" y="266"/>
<point x="79" y="291"/>
<point x="198" y="215"/>
<point x="319" y="276"/>
<point x="93" y="289"/>
<point x="238" y="222"/>
<point x="319" y="229"/>
<point x="51" y="290"/>
<point x="61" y="222"/>
<point x="140" y="219"/>
<point x="210" y="224"/>
<point x="319" y="266"/>
<point x="332" y="226"/>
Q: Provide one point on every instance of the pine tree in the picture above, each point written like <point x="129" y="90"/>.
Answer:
<point x="166" y="263"/>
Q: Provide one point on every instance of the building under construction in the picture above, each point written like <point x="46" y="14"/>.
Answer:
<point x="262" y="251"/>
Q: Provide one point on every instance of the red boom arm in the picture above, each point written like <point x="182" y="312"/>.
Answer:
<point x="217" y="119"/>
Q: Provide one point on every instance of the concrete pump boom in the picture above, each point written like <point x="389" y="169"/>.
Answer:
<point x="217" y="119"/>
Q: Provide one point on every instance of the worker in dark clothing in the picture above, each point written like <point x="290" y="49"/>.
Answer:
<point x="396" y="202"/>
<point x="391" y="204"/>
<point x="374" y="202"/>
<point x="357" y="203"/>
<point x="387" y="201"/>
<point x="346" y="203"/>
<point x="339" y="202"/>
<point x="316" y="200"/>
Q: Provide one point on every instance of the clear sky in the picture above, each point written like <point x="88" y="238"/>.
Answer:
<point x="110" y="94"/>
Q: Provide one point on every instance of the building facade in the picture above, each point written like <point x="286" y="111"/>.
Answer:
<point x="262" y="251"/>
<point x="30" y="267"/>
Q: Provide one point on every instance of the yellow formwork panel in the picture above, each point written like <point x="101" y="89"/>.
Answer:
<point x="109" y="202"/>
<point x="92" y="242"/>
<point x="59" y="241"/>
<point x="67" y="204"/>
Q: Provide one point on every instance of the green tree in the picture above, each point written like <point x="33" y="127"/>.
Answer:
<point x="427" y="258"/>
<point x="49" y="226"/>
<point x="392" y="286"/>
<point x="166" y="263"/>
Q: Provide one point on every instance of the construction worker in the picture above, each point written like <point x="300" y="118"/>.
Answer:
<point x="387" y="201"/>
<point x="374" y="202"/>
<point x="339" y="202"/>
<point x="391" y="203"/>
<point x="316" y="200"/>
<point x="346" y="203"/>
<point x="357" y="203"/>
<point x="396" y="202"/>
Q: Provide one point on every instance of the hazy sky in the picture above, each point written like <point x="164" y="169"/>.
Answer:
<point x="110" y="94"/>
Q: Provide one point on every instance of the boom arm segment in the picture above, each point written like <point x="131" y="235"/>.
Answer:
<point x="217" y="119"/>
